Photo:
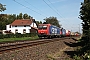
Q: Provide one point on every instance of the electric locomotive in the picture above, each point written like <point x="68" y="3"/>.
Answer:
<point x="48" y="31"/>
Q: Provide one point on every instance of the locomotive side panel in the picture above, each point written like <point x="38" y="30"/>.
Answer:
<point x="54" y="31"/>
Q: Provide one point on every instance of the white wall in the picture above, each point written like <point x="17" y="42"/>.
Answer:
<point x="20" y="28"/>
<point x="34" y="25"/>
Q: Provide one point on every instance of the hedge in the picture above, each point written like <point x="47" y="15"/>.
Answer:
<point x="17" y="35"/>
<point x="1" y="36"/>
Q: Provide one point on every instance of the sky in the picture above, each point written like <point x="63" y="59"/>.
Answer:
<point x="66" y="11"/>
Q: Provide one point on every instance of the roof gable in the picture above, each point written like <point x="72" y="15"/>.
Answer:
<point x="22" y="22"/>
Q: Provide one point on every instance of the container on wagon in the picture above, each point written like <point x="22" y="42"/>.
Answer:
<point x="63" y="32"/>
<point x="68" y="33"/>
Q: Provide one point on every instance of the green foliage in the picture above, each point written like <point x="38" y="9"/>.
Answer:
<point x="85" y="17"/>
<point x="20" y="16"/>
<point x="33" y="34"/>
<point x="7" y="35"/>
<point x="85" y="56"/>
<point x="86" y="1"/>
<point x="11" y="18"/>
<point x="53" y="21"/>
<point x="18" y="39"/>
<point x="25" y="16"/>
<point x="6" y="19"/>
<point x="84" y="52"/>
<point x="2" y="7"/>
<point x="17" y="35"/>
<point x="38" y="22"/>
<point x="1" y="36"/>
<point x="77" y="57"/>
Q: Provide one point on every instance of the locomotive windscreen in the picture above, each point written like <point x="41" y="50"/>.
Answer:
<point x="42" y="27"/>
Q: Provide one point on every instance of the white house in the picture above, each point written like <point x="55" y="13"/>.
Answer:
<point x="22" y="26"/>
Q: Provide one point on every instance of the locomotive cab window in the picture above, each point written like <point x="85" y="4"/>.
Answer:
<point x="39" y="27"/>
<point x="42" y="27"/>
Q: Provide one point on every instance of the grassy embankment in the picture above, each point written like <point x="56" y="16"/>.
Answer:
<point x="18" y="39"/>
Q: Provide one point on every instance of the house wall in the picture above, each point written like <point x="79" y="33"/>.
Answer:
<point x="33" y="25"/>
<point x="20" y="28"/>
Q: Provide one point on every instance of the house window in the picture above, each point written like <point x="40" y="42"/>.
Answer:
<point x="15" y="26"/>
<point x="24" y="31"/>
<point x="16" y="31"/>
<point x="10" y="26"/>
<point x="24" y="25"/>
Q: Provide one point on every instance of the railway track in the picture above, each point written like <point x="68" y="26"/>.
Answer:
<point x="17" y="45"/>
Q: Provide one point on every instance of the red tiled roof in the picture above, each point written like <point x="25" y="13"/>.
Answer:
<point x="22" y="22"/>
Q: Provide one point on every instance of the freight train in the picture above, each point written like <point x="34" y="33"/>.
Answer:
<point x="50" y="31"/>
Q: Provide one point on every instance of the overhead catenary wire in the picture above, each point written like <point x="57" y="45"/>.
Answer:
<point x="53" y="9"/>
<point x="56" y="9"/>
<point x="35" y="7"/>
<point x="29" y="8"/>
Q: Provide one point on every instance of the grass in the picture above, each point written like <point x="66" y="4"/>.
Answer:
<point x="50" y="57"/>
<point x="18" y="39"/>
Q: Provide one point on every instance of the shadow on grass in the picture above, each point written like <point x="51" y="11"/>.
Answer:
<point x="71" y="53"/>
<point x="74" y="39"/>
<point x="84" y="43"/>
<point x="75" y="44"/>
<point x="71" y="44"/>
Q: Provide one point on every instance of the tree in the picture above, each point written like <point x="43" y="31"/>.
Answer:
<point x="2" y="7"/>
<point x="11" y="18"/>
<point x="84" y="52"/>
<point x="53" y="21"/>
<point x="85" y="17"/>
<point x="6" y="19"/>
<point x="23" y="16"/>
<point x="26" y="16"/>
<point x="3" y="21"/>
<point x="86" y="1"/>
<point x="20" y="16"/>
<point x="39" y="22"/>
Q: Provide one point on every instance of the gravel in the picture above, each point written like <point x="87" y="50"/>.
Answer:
<point x="48" y="51"/>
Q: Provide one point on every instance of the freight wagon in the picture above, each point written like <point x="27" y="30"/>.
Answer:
<point x="68" y="33"/>
<point x="48" y="31"/>
<point x="63" y="32"/>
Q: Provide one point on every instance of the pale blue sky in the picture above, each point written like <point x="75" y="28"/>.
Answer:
<point x="66" y="11"/>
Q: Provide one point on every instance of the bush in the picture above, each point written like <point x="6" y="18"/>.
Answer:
<point x="1" y="36"/>
<point x="77" y="57"/>
<point x="17" y="35"/>
<point x="9" y="36"/>
<point x="33" y="34"/>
